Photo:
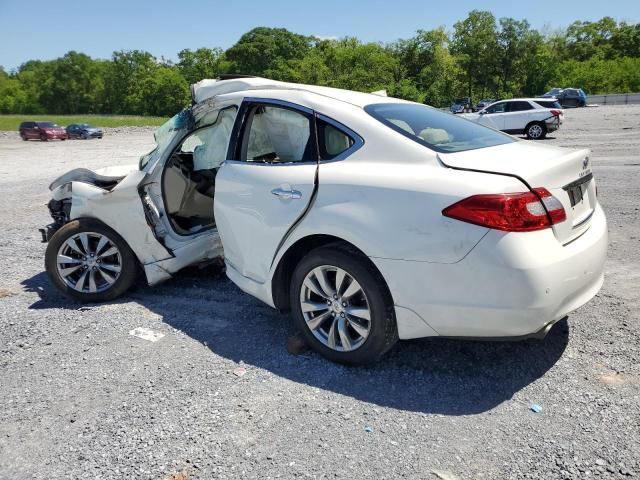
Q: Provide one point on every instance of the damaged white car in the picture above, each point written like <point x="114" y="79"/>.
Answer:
<point x="369" y="218"/>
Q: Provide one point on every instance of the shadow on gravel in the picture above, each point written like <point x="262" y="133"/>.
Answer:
<point x="439" y="376"/>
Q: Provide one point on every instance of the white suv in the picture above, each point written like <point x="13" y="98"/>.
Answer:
<point x="533" y="117"/>
<point x="369" y="218"/>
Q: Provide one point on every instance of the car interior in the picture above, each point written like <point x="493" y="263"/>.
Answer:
<point x="189" y="177"/>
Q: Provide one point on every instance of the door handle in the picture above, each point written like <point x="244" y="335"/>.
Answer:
<point x="287" y="194"/>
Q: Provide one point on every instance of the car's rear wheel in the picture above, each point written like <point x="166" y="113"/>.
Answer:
<point x="341" y="304"/>
<point x="43" y="138"/>
<point x="536" y="131"/>
<point x="90" y="262"/>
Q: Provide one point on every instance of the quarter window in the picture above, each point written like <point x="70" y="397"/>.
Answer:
<point x="274" y="134"/>
<point x="332" y="141"/>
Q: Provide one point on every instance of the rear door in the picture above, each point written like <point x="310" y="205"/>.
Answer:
<point x="266" y="183"/>
<point x="518" y="115"/>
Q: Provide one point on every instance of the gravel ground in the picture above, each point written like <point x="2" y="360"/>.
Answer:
<point x="219" y="396"/>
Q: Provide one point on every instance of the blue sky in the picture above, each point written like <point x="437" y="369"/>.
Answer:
<point x="39" y="29"/>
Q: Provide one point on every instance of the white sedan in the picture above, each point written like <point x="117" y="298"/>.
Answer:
<point x="371" y="219"/>
<point x="533" y="117"/>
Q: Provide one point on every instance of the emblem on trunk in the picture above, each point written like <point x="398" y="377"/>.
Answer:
<point x="585" y="163"/>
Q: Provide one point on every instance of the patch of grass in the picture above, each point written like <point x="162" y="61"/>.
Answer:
<point x="12" y="122"/>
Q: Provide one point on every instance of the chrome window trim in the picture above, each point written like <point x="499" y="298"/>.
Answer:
<point x="280" y="103"/>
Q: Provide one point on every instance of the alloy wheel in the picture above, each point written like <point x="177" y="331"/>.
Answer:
<point x="335" y="308"/>
<point x="89" y="262"/>
<point x="535" y="131"/>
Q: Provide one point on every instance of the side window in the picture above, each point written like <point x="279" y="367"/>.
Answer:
<point x="277" y="134"/>
<point x="209" y="144"/>
<point x="497" y="108"/>
<point x="331" y="140"/>
<point x="519" y="106"/>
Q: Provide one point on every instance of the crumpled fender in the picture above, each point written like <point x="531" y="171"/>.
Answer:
<point x="122" y="210"/>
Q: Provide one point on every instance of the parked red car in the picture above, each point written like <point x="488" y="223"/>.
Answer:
<point x="42" y="131"/>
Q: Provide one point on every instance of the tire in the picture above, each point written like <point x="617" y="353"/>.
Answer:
<point x="43" y="138"/>
<point x="24" y="137"/>
<point x="88" y="268"/>
<point x="536" y="131"/>
<point x="329" y="315"/>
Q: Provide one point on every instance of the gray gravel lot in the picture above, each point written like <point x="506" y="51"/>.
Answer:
<point x="219" y="397"/>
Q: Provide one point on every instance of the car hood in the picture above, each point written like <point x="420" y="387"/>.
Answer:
<point x="107" y="175"/>
<point x="117" y="170"/>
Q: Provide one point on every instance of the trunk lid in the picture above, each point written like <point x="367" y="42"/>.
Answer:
<point x="566" y="173"/>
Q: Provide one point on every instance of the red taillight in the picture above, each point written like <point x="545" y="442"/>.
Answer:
<point x="556" y="113"/>
<point x="510" y="212"/>
<point x="552" y="205"/>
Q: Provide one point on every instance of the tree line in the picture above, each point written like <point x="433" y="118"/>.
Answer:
<point x="481" y="57"/>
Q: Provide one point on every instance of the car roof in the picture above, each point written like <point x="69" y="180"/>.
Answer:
<point x="546" y="99"/>
<point x="206" y="89"/>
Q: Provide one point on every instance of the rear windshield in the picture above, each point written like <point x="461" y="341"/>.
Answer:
<point x="440" y="131"/>
<point x="548" y="104"/>
<point x="47" y="125"/>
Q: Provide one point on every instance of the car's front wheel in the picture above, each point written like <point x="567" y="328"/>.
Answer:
<point x="536" y="131"/>
<point x="341" y="304"/>
<point x="90" y="262"/>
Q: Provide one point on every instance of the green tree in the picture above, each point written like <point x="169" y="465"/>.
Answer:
<point x="196" y="65"/>
<point x="165" y="92"/>
<point x="590" y="39"/>
<point x="625" y="41"/>
<point x="73" y="85"/>
<point x="125" y="78"/>
<point x="259" y="49"/>
<point x="475" y="43"/>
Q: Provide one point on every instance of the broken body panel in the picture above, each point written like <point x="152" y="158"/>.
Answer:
<point x="145" y="228"/>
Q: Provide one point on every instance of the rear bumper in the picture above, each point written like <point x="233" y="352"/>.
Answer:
<point x="553" y="125"/>
<point x="509" y="285"/>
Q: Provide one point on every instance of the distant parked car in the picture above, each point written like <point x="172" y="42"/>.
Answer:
<point x="520" y="116"/>
<point x="41" y="131"/>
<point x="84" y="131"/>
<point x="462" y="105"/>
<point x="552" y="93"/>
<point x="484" y="103"/>
<point x="568" y="97"/>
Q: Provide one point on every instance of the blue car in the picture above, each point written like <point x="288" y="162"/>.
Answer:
<point x="568" y="97"/>
<point x="83" y="131"/>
